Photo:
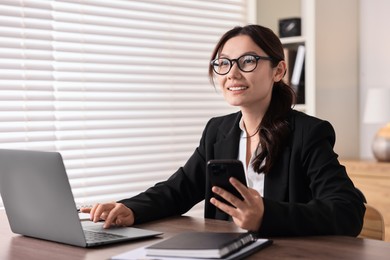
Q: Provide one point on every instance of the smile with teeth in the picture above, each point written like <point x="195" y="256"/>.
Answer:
<point x="237" y="88"/>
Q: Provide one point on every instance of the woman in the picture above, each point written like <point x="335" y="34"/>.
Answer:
<point x="296" y="185"/>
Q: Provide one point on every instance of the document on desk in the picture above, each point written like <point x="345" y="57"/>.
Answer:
<point x="140" y="253"/>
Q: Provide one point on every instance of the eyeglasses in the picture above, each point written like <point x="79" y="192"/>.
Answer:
<point x="246" y="63"/>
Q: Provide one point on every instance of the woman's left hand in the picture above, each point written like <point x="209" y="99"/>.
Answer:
<point x="247" y="213"/>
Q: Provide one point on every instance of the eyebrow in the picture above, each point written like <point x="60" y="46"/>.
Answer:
<point x="245" y="53"/>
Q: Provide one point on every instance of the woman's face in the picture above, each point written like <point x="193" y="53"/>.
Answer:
<point x="248" y="90"/>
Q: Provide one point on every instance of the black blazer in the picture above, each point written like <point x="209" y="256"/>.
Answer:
<point x="307" y="192"/>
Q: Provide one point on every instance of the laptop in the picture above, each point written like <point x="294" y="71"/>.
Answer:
<point x="39" y="203"/>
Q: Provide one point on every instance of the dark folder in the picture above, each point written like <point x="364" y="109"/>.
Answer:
<point x="204" y="244"/>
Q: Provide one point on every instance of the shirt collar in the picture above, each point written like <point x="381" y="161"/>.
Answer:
<point x="242" y="125"/>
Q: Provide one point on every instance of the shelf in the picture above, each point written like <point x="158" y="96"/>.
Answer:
<point x="293" y="40"/>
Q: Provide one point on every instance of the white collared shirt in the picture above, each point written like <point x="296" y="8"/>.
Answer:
<point x="253" y="179"/>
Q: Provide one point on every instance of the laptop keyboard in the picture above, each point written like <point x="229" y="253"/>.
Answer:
<point x="93" y="236"/>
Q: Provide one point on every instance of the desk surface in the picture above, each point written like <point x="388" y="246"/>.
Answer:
<point x="14" y="246"/>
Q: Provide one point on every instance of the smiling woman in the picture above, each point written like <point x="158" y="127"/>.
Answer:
<point x="118" y="87"/>
<point x="295" y="183"/>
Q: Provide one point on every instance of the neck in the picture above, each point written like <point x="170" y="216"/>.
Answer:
<point x="253" y="115"/>
<point x="252" y="122"/>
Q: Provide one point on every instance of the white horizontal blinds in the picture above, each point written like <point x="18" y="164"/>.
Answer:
<point x="27" y="101"/>
<point x="120" y="88"/>
<point x="27" y="114"/>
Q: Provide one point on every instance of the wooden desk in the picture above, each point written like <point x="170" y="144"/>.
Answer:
<point x="14" y="246"/>
<point x="373" y="179"/>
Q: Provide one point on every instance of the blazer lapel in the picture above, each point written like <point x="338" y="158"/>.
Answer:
<point x="229" y="139"/>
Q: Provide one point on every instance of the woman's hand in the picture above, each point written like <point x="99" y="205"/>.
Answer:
<point x="112" y="213"/>
<point x="247" y="213"/>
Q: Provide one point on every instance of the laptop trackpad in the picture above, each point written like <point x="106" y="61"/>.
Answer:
<point x="118" y="230"/>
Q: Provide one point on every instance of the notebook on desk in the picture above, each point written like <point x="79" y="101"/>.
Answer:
<point x="39" y="203"/>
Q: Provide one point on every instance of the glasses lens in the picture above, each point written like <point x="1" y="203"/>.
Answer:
<point x="247" y="63"/>
<point x="221" y="66"/>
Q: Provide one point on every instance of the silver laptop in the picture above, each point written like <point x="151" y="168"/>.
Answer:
<point x="39" y="203"/>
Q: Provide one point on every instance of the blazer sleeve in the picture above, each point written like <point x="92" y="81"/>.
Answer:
<point x="327" y="203"/>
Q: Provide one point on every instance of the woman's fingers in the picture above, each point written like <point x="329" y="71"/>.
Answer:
<point x="247" y="213"/>
<point x="112" y="214"/>
<point x="119" y="215"/>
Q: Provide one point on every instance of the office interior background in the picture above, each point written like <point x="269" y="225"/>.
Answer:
<point x="121" y="122"/>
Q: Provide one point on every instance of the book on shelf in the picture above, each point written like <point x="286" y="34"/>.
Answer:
<point x="202" y="244"/>
<point x="297" y="77"/>
<point x="298" y="66"/>
<point x="295" y="74"/>
<point x="289" y="57"/>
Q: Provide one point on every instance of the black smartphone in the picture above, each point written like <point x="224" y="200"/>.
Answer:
<point x="219" y="172"/>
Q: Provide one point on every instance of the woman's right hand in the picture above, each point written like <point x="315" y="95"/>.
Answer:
<point x="112" y="213"/>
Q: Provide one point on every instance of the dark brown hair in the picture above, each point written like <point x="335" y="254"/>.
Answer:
<point x="273" y="129"/>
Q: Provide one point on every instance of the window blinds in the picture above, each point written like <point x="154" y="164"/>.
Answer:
<point x="120" y="88"/>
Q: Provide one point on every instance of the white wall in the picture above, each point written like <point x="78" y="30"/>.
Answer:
<point x="337" y="71"/>
<point x="374" y="60"/>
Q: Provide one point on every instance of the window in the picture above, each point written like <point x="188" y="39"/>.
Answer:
<point x="120" y="88"/>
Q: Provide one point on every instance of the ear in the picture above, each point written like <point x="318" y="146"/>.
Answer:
<point x="280" y="71"/>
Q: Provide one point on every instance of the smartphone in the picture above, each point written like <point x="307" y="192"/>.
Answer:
<point x="219" y="172"/>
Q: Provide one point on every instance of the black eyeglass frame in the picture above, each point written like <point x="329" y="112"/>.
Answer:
<point x="231" y="62"/>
